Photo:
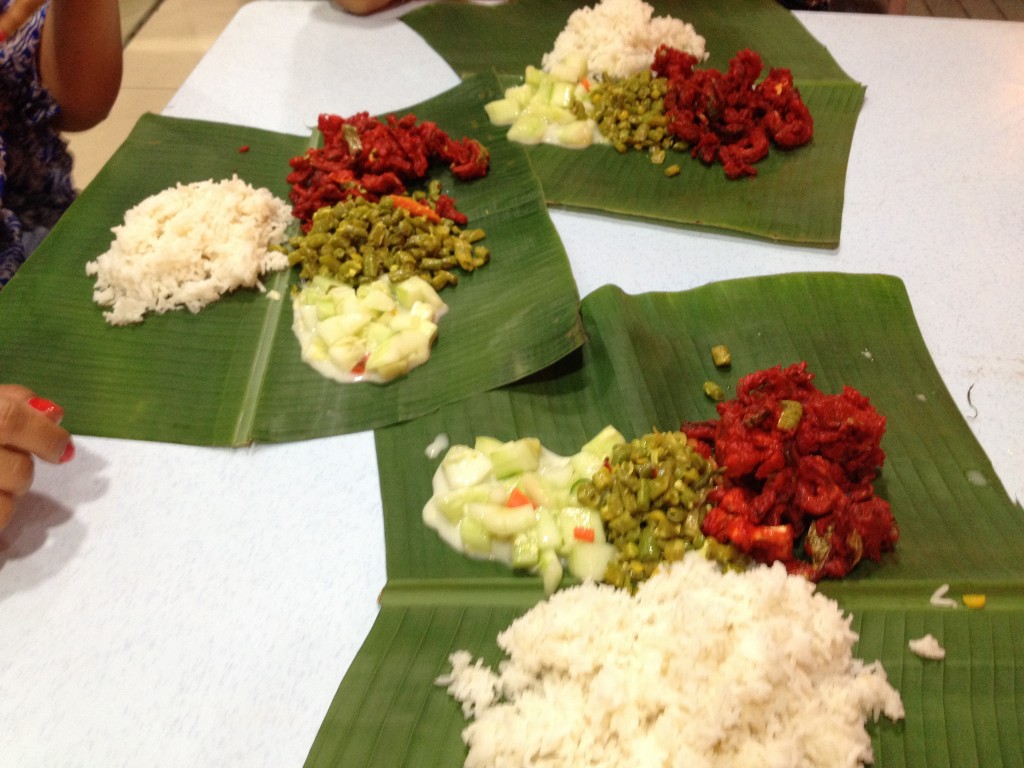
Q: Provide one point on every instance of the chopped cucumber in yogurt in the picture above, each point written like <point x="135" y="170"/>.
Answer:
<point x="545" y="109"/>
<point x="376" y="332"/>
<point x="513" y="501"/>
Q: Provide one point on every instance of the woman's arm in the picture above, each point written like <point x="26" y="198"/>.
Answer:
<point x="80" y="59"/>
<point x="17" y="14"/>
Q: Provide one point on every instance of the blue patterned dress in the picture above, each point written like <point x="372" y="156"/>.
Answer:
<point x="35" y="167"/>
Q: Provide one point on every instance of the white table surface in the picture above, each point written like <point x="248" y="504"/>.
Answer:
<point x="165" y="605"/>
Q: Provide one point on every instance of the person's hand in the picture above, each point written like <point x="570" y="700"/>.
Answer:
<point x="17" y="14"/>
<point x="363" y="7"/>
<point x="29" y="427"/>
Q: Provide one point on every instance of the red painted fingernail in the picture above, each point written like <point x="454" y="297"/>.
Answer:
<point x="47" y="407"/>
<point x="69" y="453"/>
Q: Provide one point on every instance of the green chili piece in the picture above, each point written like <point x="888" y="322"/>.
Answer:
<point x="789" y="418"/>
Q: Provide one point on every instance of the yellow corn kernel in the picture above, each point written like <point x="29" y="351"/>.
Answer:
<point x="974" y="601"/>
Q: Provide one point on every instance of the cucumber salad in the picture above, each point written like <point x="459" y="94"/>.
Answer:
<point x="515" y="502"/>
<point x="376" y="332"/>
<point x="549" y="107"/>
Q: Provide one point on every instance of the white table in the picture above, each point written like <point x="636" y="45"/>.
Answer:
<point x="164" y="605"/>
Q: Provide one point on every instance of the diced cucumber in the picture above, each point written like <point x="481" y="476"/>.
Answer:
<point x="453" y="504"/>
<point x="542" y="94"/>
<point x="589" y="562"/>
<point x="557" y="478"/>
<point x="398" y="354"/>
<point x="551" y="115"/>
<point x="414" y="289"/>
<point x="528" y="129"/>
<point x="424" y="311"/>
<point x="520" y="95"/>
<point x="525" y="552"/>
<point x="464" y="466"/>
<point x="500" y="520"/>
<point x="325" y="308"/>
<point x="579" y="134"/>
<point x="571" y="518"/>
<point x="322" y="283"/>
<point x="585" y="464"/>
<point x="475" y="538"/>
<point x="339" y="327"/>
<point x="557" y="470"/>
<point x="571" y="68"/>
<point x="407" y="322"/>
<point x="379" y="300"/>
<point x="562" y="94"/>
<point x="487" y="444"/>
<point x="533" y="75"/>
<point x="473" y="487"/>
<point x="516" y="457"/>
<point x="603" y="442"/>
<point x="548" y="534"/>
<point x="346" y="354"/>
<point x="502" y="111"/>
<point x="341" y="292"/>
<point x="315" y="350"/>
<point x="550" y="567"/>
<point x="533" y="486"/>
<point x="377" y="333"/>
<point x="307" y="316"/>
<point x="349" y="303"/>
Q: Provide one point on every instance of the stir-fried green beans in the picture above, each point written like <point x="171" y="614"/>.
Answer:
<point x="630" y="113"/>
<point x="652" y="496"/>
<point x="357" y="241"/>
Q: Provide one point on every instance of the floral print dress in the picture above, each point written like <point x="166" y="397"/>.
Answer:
<point x="35" y="166"/>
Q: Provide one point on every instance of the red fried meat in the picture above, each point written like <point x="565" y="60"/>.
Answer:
<point x="729" y="117"/>
<point x="798" y="468"/>
<point x="363" y="156"/>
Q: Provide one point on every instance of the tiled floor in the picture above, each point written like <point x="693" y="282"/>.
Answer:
<point x="157" y="59"/>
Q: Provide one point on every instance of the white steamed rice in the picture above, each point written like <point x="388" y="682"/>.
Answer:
<point x="699" y="669"/>
<point x="188" y="245"/>
<point x="927" y="647"/>
<point x="619" y="38"/>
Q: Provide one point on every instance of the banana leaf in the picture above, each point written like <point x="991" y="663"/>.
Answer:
<point x="796" y="197"/>
<point x="477" y="37"/>
<point x="232" y="373"/>
<point x="643" y="367"/>
<point x="962" y="712"/>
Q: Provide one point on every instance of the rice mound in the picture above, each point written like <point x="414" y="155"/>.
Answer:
<point x="700" y="668"/>
<point x="619" y="38"/>
<point x="187" y="246"/>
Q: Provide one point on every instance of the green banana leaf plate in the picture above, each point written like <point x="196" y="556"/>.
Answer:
<point x="643" y="366"/>
<point x="232" y="373"/>
<point x="796" y="197"/>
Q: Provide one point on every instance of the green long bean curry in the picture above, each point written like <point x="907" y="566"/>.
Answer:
<point x="652" y="495"/>
<point x="357" y="241"/>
